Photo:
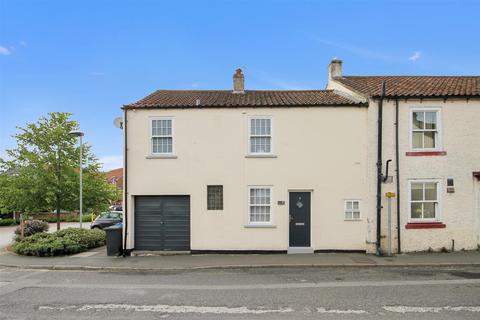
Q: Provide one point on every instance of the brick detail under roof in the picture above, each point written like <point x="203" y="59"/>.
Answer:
<point x="251" y="98"/>
<point x="414" y="86"/>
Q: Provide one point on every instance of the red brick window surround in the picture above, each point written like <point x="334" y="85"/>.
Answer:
<point x="425" y="153"/>
<point x="426" y="225"/>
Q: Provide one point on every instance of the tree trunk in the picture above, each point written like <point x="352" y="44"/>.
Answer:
<point x="58" y="214"/>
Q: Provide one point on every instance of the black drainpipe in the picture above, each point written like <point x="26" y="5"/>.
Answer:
<point x="379" y="170"/>
<point x="125" y="177"/>
<point x="397" y="161"/>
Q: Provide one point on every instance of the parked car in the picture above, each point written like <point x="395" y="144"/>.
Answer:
<point x="107" y="219"/>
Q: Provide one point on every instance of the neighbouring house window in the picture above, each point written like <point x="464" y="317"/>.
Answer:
<point x="260" y="135"/>
<point x="162" y="136"/>
<point x="425" y="129"/>
<point x="352" y="209"/>
<point x="214" y="197"/>
<point x="260" y="205"/>
<point x="424" y="200"/>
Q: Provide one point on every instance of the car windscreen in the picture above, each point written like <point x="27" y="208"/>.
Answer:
<point x="110" y="216"/>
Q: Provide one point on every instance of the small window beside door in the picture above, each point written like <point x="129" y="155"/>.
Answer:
<point x="352" y="209"/>
<point x="214" y="197"/>
<point x="260" y="205"/>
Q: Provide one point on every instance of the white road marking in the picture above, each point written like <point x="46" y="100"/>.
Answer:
<point x="3" y="283"/>
<point x="408" y="309"/>
<point x="166" y="309"/>
<point x="336" y="311"/>
<point x="298" y="285"/>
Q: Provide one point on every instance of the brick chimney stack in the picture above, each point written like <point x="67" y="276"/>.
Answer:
<point x="238" y="81"/>
<point x="335" y="69"/>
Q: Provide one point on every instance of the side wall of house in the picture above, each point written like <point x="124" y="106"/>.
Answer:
<point x="322" y="149"/>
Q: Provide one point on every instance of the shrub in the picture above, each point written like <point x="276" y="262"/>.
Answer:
<point x="30" y="227"/>
<point x="8" y="222"/>
<point x="63" y="242"/>
<point x="70" y="218"/>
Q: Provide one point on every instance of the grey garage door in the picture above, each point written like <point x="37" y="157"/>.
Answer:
<point x="162" y="223"/>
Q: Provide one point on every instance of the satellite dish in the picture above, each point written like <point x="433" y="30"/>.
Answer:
<point x="118" y="122"/>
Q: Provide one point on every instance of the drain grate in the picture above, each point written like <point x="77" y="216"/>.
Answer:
<point x="363" y="260"/>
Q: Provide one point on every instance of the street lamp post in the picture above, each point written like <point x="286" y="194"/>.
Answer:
<point x="80" y="134"/>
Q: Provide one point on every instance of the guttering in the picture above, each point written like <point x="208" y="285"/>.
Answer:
<point x="379" y="170"/>
<point x="397" y="164"/>
<point x="426" y="97"/>
<point x="125" y="181"/>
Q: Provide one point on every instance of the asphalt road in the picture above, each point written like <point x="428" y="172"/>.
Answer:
<point x="262" y="293"/>
<point x="7" y="233"/>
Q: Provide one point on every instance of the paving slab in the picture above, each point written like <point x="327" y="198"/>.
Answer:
<point x="98" y="260"/>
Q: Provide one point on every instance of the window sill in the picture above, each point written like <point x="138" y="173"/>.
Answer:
<point x="426" y="153"/>
<point x="425" y="225"/>
<point x="352" y="219"/>
<point x="161" y="156"/>
<point x="268" y="226"/>
<point x="260" y="156"/>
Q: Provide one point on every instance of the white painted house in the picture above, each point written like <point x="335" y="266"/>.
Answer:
<point x="298" y="171"/>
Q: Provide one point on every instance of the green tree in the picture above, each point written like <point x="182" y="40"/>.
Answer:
<point x="41" y="173"/>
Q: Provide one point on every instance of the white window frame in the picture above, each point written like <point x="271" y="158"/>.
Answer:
<point x="438" y="137"/>
<point x="249" y="135"/>
<point x="151" y="119"/>
<point x="260" y="223"/>
<point x="438" y="209"/>
<point x="345" y="209"/>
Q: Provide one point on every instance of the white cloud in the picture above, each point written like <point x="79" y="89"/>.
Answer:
<point x="111" y="162"/>
<point x="4" y="51"/>
<point x="416" y="55"/>
<point x="23" y="43"/>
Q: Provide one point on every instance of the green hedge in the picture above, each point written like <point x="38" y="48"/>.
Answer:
<point x="8" y="222"/>
<point x="70" y="218"/>
<point x="63" y="242"/>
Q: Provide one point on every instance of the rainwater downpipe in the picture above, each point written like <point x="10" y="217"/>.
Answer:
<point x="397" y="163"/>
<point x="379" y="170"/>
<point x="125" y="181"/>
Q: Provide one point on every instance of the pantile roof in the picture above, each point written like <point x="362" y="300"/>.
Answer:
<point x="250" y="98"/>
<point x="414" y="86"/>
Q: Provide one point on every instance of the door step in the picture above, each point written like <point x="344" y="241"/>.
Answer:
<point x="298" y="250"/>
<point x="147" y="253"/>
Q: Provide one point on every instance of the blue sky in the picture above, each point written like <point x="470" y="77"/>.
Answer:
<point x="91" y="57"/>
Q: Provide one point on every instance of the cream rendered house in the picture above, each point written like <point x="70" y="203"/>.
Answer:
<point x="295" y="171"/>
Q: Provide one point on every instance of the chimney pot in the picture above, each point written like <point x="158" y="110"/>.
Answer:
<point x="335" y="69"/>
<point x="238" y="81"/>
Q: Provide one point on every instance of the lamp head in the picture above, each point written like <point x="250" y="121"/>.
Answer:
<point x="77" y="133"/>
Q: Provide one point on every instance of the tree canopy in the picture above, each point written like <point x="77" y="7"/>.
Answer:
<point x="42" y="172"/>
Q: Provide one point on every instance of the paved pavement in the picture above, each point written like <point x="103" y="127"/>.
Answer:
<point x="256" y="293"/>
<point x="98" y="260"/>
<point x="7" y="233"/>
